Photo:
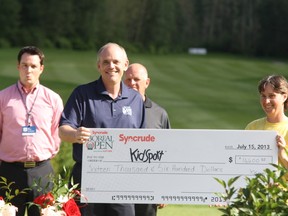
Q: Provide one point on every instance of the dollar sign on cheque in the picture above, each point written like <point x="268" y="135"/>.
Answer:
<point x="230" y="159"/>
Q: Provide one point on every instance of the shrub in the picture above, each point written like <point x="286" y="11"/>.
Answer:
<point x="265" y="194"/>
<point x="4" y="43"/>
<point x="79" y="44"/>
<point x="63" y="43"/>
<point x="47" y="43"/>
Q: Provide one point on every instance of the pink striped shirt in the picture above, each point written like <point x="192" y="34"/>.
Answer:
<point x="45" y="115"/>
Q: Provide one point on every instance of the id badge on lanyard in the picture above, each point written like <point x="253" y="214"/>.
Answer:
<point x="28" y="130"/>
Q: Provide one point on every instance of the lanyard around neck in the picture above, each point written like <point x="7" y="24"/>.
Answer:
<point x="28" y="112"/>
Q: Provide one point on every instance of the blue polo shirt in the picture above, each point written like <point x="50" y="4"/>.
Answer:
<point x="90" y="106"/>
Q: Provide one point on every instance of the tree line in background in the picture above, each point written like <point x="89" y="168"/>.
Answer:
<point x="250" y="27"/>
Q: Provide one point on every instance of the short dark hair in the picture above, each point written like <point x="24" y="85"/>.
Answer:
<point x="32" y="50"/>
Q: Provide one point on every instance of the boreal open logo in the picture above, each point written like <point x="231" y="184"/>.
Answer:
<point x="103" y="143"/>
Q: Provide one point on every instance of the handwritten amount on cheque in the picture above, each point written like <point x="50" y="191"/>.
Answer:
<point x="156" y="169"/>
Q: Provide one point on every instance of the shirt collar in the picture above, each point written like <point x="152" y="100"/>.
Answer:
<point x="147" y="102"/>
<point x="101" y="89"/>
<point x="23" y="90"/>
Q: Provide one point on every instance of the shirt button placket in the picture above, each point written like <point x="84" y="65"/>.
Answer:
<point x="113" y="109"/>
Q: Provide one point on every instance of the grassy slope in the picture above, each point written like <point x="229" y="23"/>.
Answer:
<point x="211" y="92"/>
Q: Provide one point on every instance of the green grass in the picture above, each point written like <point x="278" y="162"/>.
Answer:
<point x="199" y="92"/>
<point x="188" y="210"/>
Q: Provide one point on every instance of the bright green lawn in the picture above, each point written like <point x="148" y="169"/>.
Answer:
<point x="199" y="92"/>
<point x="212" y="91"/>
<point x="188" y="210"/>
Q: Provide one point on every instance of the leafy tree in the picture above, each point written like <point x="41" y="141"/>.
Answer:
<point x="57" y="20"/>
<point x="160" y="25"/>
<point x="273" y="30"/>
<point x="255" y="27"/>
<point x="89" y="22"/>
<point x="9" y="20"/>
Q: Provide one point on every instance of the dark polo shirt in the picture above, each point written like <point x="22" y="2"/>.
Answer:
<point x="90" y="106"/>
<point x="155" y="115"/>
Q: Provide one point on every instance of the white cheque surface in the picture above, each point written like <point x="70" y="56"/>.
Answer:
<point x="170" y="166"/>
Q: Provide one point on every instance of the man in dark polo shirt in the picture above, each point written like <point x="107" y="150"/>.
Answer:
<point x="136" y="77"/>
<point x="104" y="103"/>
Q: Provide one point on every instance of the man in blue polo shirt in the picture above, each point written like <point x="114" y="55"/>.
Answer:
<point x="104" y="103"/>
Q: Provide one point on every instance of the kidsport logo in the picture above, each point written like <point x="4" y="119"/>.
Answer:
<point x="137" y="138"/>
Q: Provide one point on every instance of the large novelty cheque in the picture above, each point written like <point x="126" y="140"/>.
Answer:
<point x="170" y="166"/>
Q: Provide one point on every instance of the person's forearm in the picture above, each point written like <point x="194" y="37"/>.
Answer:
<point x="67" y="133"/>
<point x="284" y="158"/>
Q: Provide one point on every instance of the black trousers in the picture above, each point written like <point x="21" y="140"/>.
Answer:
<point x="100" y="209"/>
<point x="24" y="178"/>
<point x="145" y="209"/>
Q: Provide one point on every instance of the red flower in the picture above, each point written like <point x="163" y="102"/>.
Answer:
<point x="44" y="200"/>
<point x="1" y="198"/>
<point x="77" y="192"/>
<point x="71" y="208"/>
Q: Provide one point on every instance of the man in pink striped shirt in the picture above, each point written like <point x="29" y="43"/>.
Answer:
<point x="29" y="118"/>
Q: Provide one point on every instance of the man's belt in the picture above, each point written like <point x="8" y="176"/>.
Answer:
<point x="27" y="164"/>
